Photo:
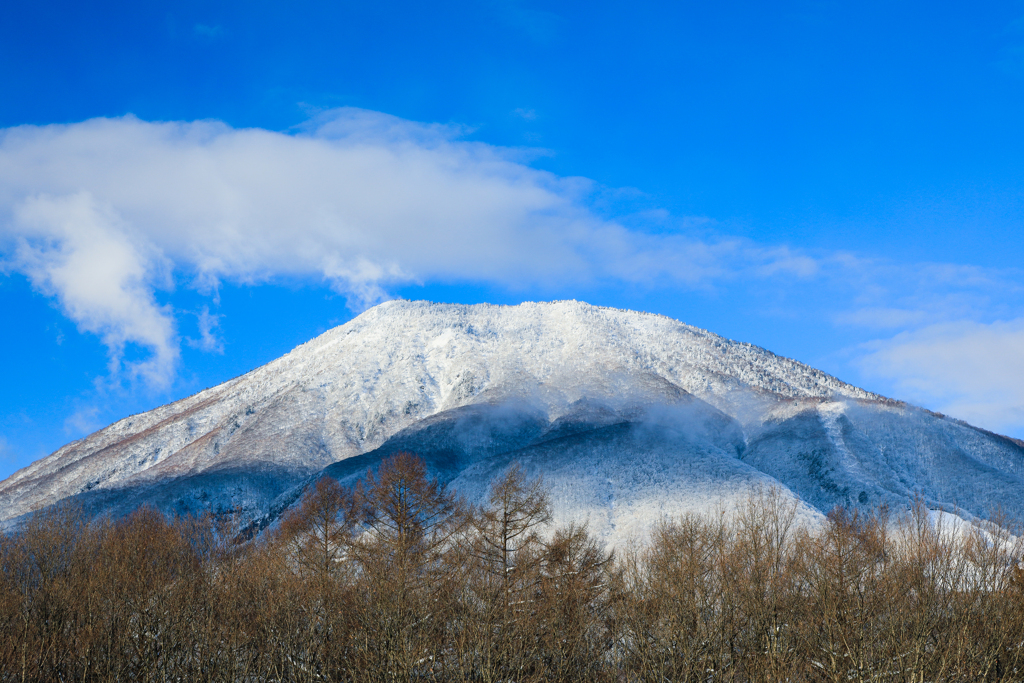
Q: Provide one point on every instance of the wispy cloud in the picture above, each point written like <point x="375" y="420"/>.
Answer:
<point x="883" y="294"/>
<point x="971" y="370"/>
<point x="85" y="418"/>
<point x="208" y="340"/>
<point x="103" y="214"/>
<point x="881" y="318"/>
<point x="946" y="336"/>
<point x="75" y="249"/>
<point x="528" y="114"/>
<point x="7" y="459"/>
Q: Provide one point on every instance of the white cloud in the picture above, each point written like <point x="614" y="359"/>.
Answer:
<point x="970" y="370"/>
<point x="105" y="214"/>
<point x="882" y="317"/>
<point x="85" y="419"/>
<point x="74" y="249"/>
<point x="208" y="340"/>
<point x="102" y="214"/>
<point x="880" y="294"/>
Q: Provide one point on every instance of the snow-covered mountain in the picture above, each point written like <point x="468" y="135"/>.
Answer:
<point x="628" y="416"/>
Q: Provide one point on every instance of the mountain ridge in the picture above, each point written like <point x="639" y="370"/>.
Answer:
<point x="353" y="389"/>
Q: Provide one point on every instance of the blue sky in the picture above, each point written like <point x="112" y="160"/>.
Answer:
<point x="189" y="190"/>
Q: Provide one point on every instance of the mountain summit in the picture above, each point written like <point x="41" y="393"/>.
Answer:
<point x="628" y="416"/>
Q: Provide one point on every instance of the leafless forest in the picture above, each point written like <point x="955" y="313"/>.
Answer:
<point x="398" y="580"/>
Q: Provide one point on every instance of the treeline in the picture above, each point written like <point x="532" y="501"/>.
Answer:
<point x="398" y="580"/>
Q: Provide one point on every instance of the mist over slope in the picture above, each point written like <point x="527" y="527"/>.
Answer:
<point x="629" y="416"/>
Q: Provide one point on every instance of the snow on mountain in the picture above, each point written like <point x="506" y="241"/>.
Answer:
<point x="628" y="416"/>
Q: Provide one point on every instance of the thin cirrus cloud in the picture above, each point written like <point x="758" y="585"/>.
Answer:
<point x="101" y="215"/>
<point x="947" y="336"/>
<point x="968" y="369"/>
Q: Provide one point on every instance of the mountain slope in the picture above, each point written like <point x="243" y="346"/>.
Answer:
<point x="680" y="416"/>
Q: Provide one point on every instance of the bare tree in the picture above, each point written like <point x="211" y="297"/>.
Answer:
<point x="318" y="532"/>
<point x="397" y="582"/>
<point x="317" y="536"/>
<point x="574" y="612"/>
<point x="506" y="530"/>
<point x="505" y="555"/>
<point x="408" y="525"/>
